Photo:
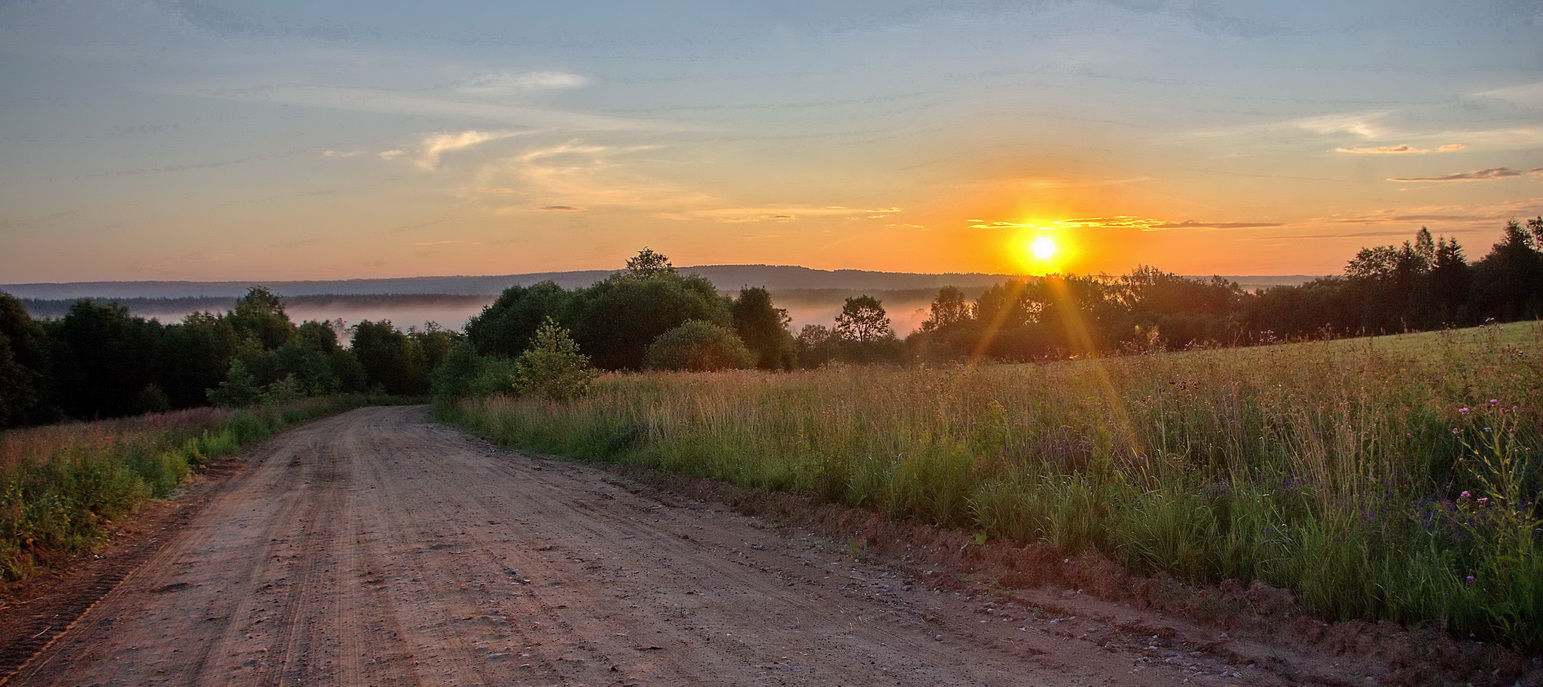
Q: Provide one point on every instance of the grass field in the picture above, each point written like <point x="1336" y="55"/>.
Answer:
<point x="1389" y="478"/>
<point x="62" y="485"/>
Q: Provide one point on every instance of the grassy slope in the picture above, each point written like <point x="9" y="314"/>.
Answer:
<point x="1337" y="469"/>
<point x="61" y="486"/>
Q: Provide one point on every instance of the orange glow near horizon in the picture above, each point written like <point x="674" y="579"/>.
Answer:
<point x="1041" y="247"/>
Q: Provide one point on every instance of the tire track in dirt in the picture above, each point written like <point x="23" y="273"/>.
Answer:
<point x="375" y="547"/>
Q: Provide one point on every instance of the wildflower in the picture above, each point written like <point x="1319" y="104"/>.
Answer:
<point x="1456" y="431"/>
<point x="1483" y="499"/>
<point x="1464" y="495"/>
<point x="1493" y="401"/>
<point x="1464" y="411"/>
<point x="1470" y="579"/>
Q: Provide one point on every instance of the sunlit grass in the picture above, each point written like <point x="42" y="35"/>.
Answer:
<point x="1336" y="469"/>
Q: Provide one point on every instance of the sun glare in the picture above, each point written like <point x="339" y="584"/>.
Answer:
<point x="1042" y="248"/>
<point x="1039" y="246"/>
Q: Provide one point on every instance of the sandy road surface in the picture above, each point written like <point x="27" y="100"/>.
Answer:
<point x="378" y="548"/>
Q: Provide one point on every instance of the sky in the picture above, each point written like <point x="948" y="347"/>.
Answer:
<point x="214" y="140"/>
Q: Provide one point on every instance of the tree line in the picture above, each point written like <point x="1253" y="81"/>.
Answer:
<point x="98" y="361"/>
<point x="1426" y="283"/>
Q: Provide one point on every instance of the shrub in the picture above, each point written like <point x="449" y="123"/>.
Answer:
<point x="699" y="347"/>
<point x="552" y="366"/>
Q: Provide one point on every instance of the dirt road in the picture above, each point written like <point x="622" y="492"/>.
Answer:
<point x="378" y="548"/>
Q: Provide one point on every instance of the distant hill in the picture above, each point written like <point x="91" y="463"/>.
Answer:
<point x="726" y="277"/>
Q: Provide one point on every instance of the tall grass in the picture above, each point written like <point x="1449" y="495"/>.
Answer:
<point x="1337" y="469"/>
<point x="62" y="485"/>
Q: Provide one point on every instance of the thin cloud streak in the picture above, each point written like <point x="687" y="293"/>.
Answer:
<point x="389" y="102"/>
<point x="787" y="213"/>
<point x="1401" y="149"/>
<point x="435" y="145"/>
<point x="1479" y="175"/>
<point x="520" y="82"/>
<point x="1126" y="222"/>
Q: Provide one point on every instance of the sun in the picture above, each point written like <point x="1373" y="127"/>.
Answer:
<point x="1039" y="247"/>
<point x="1043" y="248"/>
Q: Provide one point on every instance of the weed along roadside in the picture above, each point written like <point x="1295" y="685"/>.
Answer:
<point x="1377" y="479"/>
<point x="62" y="487"/>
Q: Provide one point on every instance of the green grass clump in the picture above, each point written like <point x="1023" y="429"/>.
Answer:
<point x="1395" y="477"/>
<point x="62" y="485"/>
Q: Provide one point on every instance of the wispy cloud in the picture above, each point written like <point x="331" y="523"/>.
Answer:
<point x="579" y="174"/>
<point x="1479" y="175"/>
<point x="1404" y="233"/>
<point x="560" y="208"/>
<point x="1526" y="95"/>
<point x="508" y="83"/>
<point x="1385" y="132"/>
<point x="392" y="102"/>
<point x="435" y="145"/>
<point x="343" y="153"/>
<point x="1392" y="218"/>
<point x="787" y="213"/>
<point x="1469" y="213"/>
<point x="1363" y="124"/>
<point x="1125" y="222"/>
<point x="1397" y="150"/>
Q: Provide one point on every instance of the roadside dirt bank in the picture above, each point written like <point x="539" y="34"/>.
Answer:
<point x="376" y="547"/>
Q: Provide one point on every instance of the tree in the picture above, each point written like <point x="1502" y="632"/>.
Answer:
<point x="194" y="357"/>
<point x="391" y="360"/>
<point x="103" y="358"/>
<point x="434" y="343"/>
<point x="615" y="320"/>
<point x="649" y="264"/>
<point x="506" y="326"/>
<point x="764" y="329"/>
<point x="552" y="366"/>
<point x="863" y="335"/>
<point x="1378" y="263"/>
<point x="1448" y="284"/>
<point x="239" y="388"/>
<point x="816" y="345"/>
<point x="949" y="310"/>
<point x="151" y="400"/>
<point x="1010" y="304"/>
<point x="24" y="367"/>
<point x="863" y="320"/>
<point x="698" y="346"/>
<point x="1424" y="249"/>
<point x="259" y="315"/>
<point x="1509" y="281"/>
<point x="452" y="378"/>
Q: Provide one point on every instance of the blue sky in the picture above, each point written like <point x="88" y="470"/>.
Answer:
<point x="280" y="140"/>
